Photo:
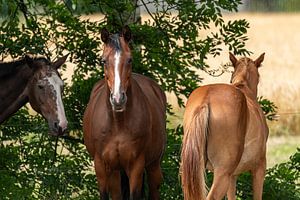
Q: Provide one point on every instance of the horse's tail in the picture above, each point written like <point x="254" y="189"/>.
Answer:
<point x="125" y="186"/>
<point x="193" y="154"/>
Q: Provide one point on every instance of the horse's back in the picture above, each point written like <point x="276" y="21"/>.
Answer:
<point x="224" y="97"/>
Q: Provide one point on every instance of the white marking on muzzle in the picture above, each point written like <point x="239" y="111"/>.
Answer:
<point x="117" y="82"/>
<point x="57" y="83"/>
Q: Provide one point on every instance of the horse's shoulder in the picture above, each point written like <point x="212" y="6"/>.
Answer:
<point x="147" y="84"/>
<point x="97" y="88"/>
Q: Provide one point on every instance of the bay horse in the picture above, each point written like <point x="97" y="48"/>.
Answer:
<point x="124" y="124"/>
<point x="37" y="81"/>
<point x="225" y="131"/>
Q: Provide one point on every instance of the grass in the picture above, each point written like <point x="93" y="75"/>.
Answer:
<point x="280" y="148"/>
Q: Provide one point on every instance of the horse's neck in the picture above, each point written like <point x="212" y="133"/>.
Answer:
<point x="14" y="107"/>
<point x="13" y="92"/>
<point x="248" y="92"/>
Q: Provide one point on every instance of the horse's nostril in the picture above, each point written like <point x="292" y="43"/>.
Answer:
<point x="123" y="97"/>
<point x="60" y="131"/>
<point x="56" y="126"/>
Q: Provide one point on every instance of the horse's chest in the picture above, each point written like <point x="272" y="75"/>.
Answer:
<point x="117" y="147"/>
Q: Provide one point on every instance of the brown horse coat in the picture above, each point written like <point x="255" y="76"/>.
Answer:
<point x="124" y="126"/>
<point x="225" y="131"/>
<point x="146" y="121"/>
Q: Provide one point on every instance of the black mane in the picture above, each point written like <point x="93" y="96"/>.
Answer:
<point x="7" y="68"/>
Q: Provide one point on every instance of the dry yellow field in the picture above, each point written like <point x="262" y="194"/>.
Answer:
<point x="278" y="36"/>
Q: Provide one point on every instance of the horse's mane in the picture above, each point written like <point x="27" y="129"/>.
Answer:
<point x="7" y="68"/>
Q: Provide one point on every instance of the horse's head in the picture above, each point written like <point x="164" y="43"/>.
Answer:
<point x="246" y="71"/>
<point x="117" y="61"/>
<point x="45" y="91"/>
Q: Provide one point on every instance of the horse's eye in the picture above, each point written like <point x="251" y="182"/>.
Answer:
<point x="129" y="61"/>
<point x="41" y="87"/>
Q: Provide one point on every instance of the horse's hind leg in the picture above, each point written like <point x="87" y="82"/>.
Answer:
<point x="258" y="176"/>
<point x="220" y="185"/>
<point x="154" y="175"/>
<point x="135" y="175"/>
<point x="231" y="192"/>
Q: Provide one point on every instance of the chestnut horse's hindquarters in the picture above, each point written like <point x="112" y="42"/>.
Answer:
<point x="192" y="154"/>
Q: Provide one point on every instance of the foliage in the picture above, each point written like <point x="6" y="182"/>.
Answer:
<point x="170" y="48"/>
<point x="170" y="166"/>
<point x="268" y="107"/>
<point x="29" y="168"/>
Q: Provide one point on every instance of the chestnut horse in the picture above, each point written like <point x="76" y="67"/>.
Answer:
<point x="225" y="131"/>
<point x="124" y="124"/>
<point x="37" y="81"/>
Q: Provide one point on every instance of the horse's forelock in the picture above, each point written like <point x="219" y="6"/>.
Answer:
<point x="42" y="59"/>
<point x="115" y="42"/>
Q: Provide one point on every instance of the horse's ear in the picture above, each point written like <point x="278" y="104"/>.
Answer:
<point x="259" y="60"/>
<point x="104" y="35"/>
<point x="60" y="61"/>
<point x="126" y="33"/>
<point x="232" y="59"/>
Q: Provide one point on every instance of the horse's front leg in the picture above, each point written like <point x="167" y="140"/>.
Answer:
<point x="136" y="178"/>
<point x="115" y="185"/>
<point x="154" y="175"/>
<point x="102" y="178"/>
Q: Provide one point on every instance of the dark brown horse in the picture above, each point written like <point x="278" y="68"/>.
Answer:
<point x="37" y="81"/>
<point x="124" y="124"/>
<point x="225" y="131"/>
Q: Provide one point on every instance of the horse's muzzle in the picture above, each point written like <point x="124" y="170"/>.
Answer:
<point x="118" y="102"/>
<point x="57" y="130"/>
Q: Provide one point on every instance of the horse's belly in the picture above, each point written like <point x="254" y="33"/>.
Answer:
<point x="254" y="152"/>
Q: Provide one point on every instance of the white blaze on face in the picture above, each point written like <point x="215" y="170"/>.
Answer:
<point x="57" y="84"/>
<point x="117" y="79"/>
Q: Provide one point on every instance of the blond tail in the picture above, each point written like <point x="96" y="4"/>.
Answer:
<point x="192" y="154"/>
